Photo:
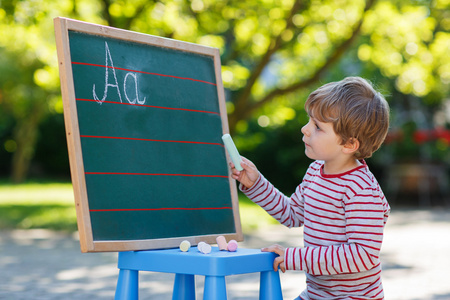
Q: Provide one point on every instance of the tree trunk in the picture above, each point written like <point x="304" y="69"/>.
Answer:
<point x="25" y="134"/>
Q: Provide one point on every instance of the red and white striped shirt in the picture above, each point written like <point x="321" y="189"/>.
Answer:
<point x="343" y="217"/>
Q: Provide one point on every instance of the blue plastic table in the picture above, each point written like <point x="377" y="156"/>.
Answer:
<point x="185" y="265"/>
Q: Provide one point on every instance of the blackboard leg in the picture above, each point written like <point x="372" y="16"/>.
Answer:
<point x="127" y="285"/>
<point x="184" y="287"/>
<point x="215" y="288"/>
<point x="270" y="286"/>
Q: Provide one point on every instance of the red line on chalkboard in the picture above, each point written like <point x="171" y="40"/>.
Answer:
<point x="156" y="209"/>
<point x="152" y="174"/>
<point x="148" y="73"/>
<point x="149" y="140"/>
<point x="152" y="106"/>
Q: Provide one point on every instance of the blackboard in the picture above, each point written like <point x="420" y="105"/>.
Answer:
<point x="144" y="117"/>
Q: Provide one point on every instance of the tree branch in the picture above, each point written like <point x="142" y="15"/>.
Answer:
<point x="109" y="19"/>
<point x="332" y="59"/>
<point x="242" y="100"/>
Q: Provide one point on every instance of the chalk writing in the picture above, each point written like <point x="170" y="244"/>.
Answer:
<point x="109" y="65"/>
<point x="107" y="84"/>
<point x="136" y="86"/>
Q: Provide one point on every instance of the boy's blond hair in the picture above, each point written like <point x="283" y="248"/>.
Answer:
<point x="356" y="110"/>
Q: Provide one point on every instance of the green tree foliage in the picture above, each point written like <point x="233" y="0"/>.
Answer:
<point x="29" y="79"/>
<point x="410" y="44"/>
<point x="273" y="53"/>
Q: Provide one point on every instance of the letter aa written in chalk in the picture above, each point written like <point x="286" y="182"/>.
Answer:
<point x="109" y="68"/>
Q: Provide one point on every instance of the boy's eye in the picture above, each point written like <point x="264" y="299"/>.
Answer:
<point x="316" y="126"/>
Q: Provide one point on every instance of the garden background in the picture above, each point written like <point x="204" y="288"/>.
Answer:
<point x="274" y="53"/>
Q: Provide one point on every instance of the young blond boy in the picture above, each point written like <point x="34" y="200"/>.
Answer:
<point x="339" y="202"/>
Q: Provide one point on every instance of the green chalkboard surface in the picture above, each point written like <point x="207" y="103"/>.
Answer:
<point x="144" y="118"/>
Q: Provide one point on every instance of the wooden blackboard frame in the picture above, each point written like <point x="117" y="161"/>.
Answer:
<point x="87" y="242"/>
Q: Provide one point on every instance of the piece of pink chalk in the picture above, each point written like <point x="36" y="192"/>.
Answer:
<point x="232" y="246"/>
<point x="222" y="242"/>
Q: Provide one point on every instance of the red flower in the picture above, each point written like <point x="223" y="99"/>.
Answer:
<point x="424" y="135"/>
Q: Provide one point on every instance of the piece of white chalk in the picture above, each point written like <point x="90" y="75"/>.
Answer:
<point x="222" y="242"/>
<point x="232" y="150"/>
<point x="232" y="246"/>
<point x="200" y="245"/>
<point x="185" y="245"/>
<point x="204" y="248"/>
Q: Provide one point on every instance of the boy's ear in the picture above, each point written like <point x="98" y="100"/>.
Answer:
<point x="351" y="146"/>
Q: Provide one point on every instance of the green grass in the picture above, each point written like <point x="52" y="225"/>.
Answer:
<point x="50" y="205"/>
<point x="252" y="216"/>
<point x="29" y="205"/>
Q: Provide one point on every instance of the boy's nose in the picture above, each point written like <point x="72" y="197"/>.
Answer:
<point x="305" y="130"/>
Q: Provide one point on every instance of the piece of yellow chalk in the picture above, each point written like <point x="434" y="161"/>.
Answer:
<point x="185" y="245"/>
<point x="222" y="242"/>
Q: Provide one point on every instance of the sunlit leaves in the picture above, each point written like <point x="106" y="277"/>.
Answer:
<point x="245" y="28"/>
<point x="408" y="42"/>
<point x="319" y="30"/>
<point x="46" y="78"/>
<point x="440" y="50"/>
<point x="404" y="44"/>
<point x="234" y="76"/>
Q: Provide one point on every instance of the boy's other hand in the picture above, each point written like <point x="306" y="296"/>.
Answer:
<point x="279" y="261"/>
<point x="248" y="175"/>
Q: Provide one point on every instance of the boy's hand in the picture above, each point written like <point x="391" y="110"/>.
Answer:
<point x="248" y="175"/>
<point x="279" y="261"/>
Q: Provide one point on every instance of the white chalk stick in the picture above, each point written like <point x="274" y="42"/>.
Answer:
<point x="200" y="245"/>
<point x="204" y="248"/>
<point x="232" y="150"/>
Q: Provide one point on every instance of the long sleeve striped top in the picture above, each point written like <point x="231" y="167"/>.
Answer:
<point x="343" y="217"/>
